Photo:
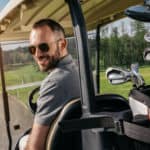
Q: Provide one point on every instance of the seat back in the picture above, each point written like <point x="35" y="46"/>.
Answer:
<point x="111" y="103"/>
<point x="56" y="139"/>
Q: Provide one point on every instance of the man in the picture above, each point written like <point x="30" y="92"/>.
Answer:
<point x="49" y="50"/>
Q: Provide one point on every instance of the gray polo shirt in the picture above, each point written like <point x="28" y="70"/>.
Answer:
<point x="59" y="87"/>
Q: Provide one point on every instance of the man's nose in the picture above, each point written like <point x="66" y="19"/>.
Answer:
<point x="38" y="52"/>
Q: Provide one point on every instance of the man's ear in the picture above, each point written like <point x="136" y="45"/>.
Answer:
<point x="63" y="43"/>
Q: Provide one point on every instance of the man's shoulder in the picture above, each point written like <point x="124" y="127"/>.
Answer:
<point x="61" y="74"/>
<point x="58" y="74"/>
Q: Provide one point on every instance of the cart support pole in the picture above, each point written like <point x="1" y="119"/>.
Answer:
<point x="86" y="79"/>
<point x="5" y="101"/>
<point x="98" y="59"/>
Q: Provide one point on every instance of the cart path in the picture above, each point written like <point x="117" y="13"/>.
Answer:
<point x="14" y="87"/>
<point x="19" y="115"/>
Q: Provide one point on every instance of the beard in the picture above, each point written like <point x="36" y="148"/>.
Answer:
<point x="52" y="61"/>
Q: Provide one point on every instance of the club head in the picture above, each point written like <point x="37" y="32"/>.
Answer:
<point x="146" y="54"/>
<point x="147" y="37"/>
<point x="117" y="75"/>
<point x="135" y="67"/>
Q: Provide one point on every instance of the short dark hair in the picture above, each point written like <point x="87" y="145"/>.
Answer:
<point x="53" y="25"/>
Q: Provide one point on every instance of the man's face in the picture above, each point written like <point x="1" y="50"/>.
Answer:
<point x="45" y="59"/>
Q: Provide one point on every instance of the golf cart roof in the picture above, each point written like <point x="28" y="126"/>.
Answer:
<point x="17" y="17"/>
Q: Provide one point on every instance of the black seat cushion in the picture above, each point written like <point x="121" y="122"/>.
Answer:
<point x="111" y="102"/>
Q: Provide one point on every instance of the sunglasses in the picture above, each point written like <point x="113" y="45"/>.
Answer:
<point x="43" y="47"/>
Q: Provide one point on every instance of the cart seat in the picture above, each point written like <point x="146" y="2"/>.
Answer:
<point x="66" y="141"/>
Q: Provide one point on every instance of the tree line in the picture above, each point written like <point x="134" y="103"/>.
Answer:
<point x="124" y="50"/>
<point x="16" y="57"/>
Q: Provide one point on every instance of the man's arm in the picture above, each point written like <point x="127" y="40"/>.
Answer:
<point x="38" y="136"/>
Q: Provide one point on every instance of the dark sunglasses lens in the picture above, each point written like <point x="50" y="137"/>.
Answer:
<point x="44" y="47"/>
<point x="32" y="49"/>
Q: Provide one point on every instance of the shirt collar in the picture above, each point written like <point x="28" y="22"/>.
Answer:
<point x="65" y="60"/>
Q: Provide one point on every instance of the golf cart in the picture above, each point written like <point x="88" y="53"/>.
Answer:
<point x="101" y="119"/>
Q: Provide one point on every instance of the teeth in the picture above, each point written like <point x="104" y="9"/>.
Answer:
<point x="42" y="58"/>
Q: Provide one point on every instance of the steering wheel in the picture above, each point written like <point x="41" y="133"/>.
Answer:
<point x="32" y="105"/>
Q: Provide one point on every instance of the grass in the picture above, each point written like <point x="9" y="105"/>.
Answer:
<point x="29" y="73"/>
<point x="22" y="75"/>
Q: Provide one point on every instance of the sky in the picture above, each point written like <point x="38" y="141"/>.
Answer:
<point x="123" y="26"/>
<point x="3" y="3"/>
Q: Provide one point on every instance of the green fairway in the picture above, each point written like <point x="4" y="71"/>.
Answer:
<point x="29" y="74"/>
<point x="22" y="75"/>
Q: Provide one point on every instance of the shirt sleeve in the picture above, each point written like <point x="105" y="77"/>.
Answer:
<point x="51" y="100"/>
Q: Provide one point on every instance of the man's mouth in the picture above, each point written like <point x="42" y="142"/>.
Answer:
<point x="42" y="60"/>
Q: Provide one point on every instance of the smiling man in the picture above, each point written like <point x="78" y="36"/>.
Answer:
<point x="48" y="47"/>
